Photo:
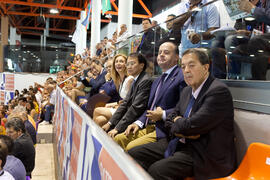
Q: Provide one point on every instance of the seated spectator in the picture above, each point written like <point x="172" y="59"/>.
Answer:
<point x="196" y="32"/>
<point x="31" y="111"/>
<point x="121" y="82"/>
<point x="122" y="39"/>
<point x="201" y="127"/>
<point x="49" y="106"/>
<point x="164" y="95"/>
<point x="97" y="79"/>
<point x="5" y="175"/>
<point x="23" y="146"/>
<point x="136" y="100"/>
<point x="13" y="165"/>
<point x="29" y="126"/>
<point x="244" y="47"/>
<point x="173" y="34"/>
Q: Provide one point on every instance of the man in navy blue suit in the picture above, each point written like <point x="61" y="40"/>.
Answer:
<point x="164" y="94"/>
<point x="95" y="83"/>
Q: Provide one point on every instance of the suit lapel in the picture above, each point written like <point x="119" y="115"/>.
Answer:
<point x="168" y="82"/>
<point x="153" y="91"/>
<point x="205" y="87"/>
<point x="136" y="84"/>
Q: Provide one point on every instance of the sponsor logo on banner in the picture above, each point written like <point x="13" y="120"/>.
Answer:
<point x="6" y="87"/>
<point x="103" y="166"/>
<point x="81" y="154"/>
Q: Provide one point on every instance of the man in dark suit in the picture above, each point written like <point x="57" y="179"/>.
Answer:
<point x="95" y="83"/>
<point x="174" y="32"/>
<point x="202" y="141"/>
<point x="146" y="47"/>
<point x="136" y="100"/>
<point x="164" y="95"/>
<point x="23" y="146"/>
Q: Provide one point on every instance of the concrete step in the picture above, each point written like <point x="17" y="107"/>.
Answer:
<point x="45" y="134"/>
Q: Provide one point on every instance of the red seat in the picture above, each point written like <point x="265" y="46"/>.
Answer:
<point x="189" y="178"/>
<point x="255" y="165"/>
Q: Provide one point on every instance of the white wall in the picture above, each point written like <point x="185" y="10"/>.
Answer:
<point x="24" y="80"/>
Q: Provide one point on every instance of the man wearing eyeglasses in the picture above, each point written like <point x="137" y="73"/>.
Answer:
<point x="136" y="100"/>
<point x="197" y="23"/>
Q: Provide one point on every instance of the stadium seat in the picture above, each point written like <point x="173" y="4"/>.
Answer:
<point x="255" y="165"/>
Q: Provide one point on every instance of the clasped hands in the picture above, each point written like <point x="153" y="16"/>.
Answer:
<point x="181" y="135"/>
<point x="155" y="115"/>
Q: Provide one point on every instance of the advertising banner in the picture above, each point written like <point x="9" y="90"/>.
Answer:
<point x="85" y="151"/>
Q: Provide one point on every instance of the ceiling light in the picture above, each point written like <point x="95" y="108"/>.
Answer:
<point x="260" y="51"/>
<point x="54" y="11"/>
<point x="252" y="55"/>
<point x="240" y="37"/>
<point x="249" y="18"/>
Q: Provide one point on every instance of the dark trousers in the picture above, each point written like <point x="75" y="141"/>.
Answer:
<point x="49" y="109"/>
<point x="151" y="158"/>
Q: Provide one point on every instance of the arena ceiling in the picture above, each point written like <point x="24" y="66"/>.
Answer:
<point x="29" y="16"/>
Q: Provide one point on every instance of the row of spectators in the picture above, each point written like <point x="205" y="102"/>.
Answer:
<point x="181" y="123"/>
<point x="19" y="121"/>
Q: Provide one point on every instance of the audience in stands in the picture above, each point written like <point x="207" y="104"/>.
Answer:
<point x="3" y="156"/>
<point x="164" y="95"/>
<point x="97" y="79"/>
<point x="146" y="46"/>
<point x="136" y="100"/>
<point x="13" y="165"/>
<point x="173" y="33"/>
<point x="197" y="25"/>
<point x="201" y="142"/>
<point x="23" y="145"/>
<point x="121" y="82"/>
<point x="249" y="46"/>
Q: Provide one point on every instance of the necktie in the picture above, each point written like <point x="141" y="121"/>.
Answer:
<point x="142" y="41"/>
<point x="173" y="143"/>
<point x="161" y="82"/>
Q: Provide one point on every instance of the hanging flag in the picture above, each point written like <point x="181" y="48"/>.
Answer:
<point x="86" y="20"/>
<point x="106" y="6"/>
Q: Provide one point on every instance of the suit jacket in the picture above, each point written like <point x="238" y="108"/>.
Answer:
<point x="172" y="36"/>
<point x="146" y="47"/>
<point x="134" y="104"/>
<point x="25" y="151"/>
<point x="95" y="83"/>
<point x="211" y="117"/>
<point x="168" y="97"/>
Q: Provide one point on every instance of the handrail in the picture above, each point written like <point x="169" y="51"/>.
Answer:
<point x="193" y="10"/>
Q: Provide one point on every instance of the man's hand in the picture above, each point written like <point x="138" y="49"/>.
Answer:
<point x="111" y="105"/>
<point x="155" y="115"/>
<point x="246" y="6"/>
<point x="194" y="38"/>
<point x="112" y="133"/>
<point x="187" y="137"/>
<point x="133" y="128"/>
<point x="244" y="32"/>
<point x="106" y="127"/>
<point x="177" y="117"/>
